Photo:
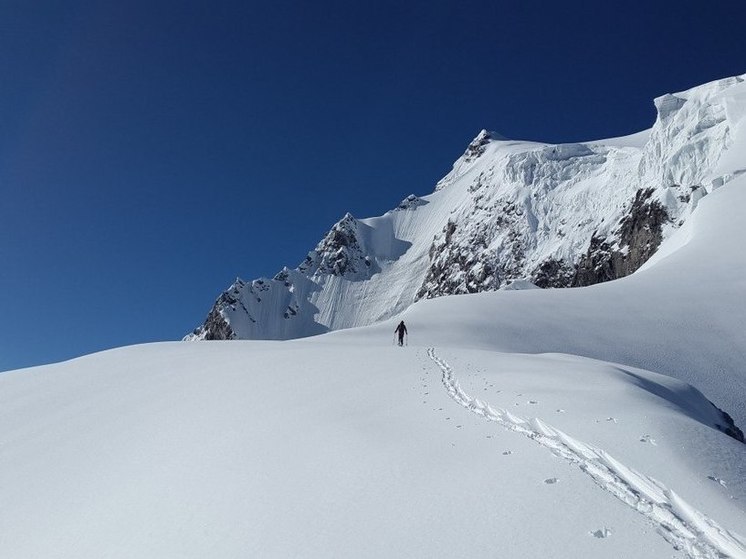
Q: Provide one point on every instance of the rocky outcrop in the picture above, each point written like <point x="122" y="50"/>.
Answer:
<point x="340" y="253"/>
<point x="483" y="256"/>
<point x="729" y="426"/>
<point x="216" y="327"/>
<point x="477" y="146"/>
<point x="638" y="236"/>
<point x="458" y="267"/>
<point x="411" y="202"/>
<point x="553" y="273"/>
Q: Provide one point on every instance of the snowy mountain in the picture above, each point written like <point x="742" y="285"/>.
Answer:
<point x="600" y="421"/>
<point x="553" y="215"/>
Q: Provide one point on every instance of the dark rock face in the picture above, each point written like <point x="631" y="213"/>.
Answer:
<point x="553" y="273"/>
<point x="638" y="236"/>
<point x="463" y="258"/>
<point x="461" y="262"/>
<point x="729" y="427"/>
<point x="642" y="229"/>
<point x="457" y="269"/>
<point x="598" y="265"/>
<point x="477" y="146"/>
<point x="411" y="202"/>
<point x="215" y="326"/>
<point x="339" y="253"/>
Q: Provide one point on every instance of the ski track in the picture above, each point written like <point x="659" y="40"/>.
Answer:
<point x="683" y="526"/>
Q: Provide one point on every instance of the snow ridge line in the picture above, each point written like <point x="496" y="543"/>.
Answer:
<point x="680" y="524"/>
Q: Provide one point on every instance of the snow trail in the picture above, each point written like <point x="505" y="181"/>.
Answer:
<point x="680" y="524"/>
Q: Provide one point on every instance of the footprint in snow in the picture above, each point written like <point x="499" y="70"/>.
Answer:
<point x="551" y="480"/>
<point x="648" y="439"/>
<point x="560" y="410"/>
<point x="533" y="402"/>
<point x="612" y="419"/>
<point x="507" y="453"/>
<point x="602" y="533"/>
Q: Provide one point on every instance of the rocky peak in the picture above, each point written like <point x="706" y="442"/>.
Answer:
<point x="410" y="202"/>
<point x="477" y="145"/>
<point x="340" y="252"/>
<point x="473" y="152"/>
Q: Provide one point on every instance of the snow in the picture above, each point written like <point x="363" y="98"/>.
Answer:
<point x="523" y="422"/>
<point x="520" y="284"/>
<point x="326" y="447"/>
<point x="636" y="140"/>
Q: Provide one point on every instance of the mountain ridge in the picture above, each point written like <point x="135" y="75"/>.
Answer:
<point x="556" y="215"/>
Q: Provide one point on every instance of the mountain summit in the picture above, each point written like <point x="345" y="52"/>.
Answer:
<point x="552" y="215"/>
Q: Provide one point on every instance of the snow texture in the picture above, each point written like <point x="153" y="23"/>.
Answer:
<point x="684" y="527"/>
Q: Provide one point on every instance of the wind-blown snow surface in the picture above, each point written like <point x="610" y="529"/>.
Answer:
<point x="318" y="448"/>
<point x="556" y="215"/>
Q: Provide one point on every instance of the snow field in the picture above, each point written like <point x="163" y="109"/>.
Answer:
<point x="278" y="449"/>
<point x="684" y="527"/>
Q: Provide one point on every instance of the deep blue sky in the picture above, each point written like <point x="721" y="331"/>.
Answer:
<point x="152" y="151"/>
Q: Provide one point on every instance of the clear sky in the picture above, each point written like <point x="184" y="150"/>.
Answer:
<point x="152" y="151"/>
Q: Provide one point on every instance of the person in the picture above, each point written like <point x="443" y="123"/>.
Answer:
<point x="401" y="330"/>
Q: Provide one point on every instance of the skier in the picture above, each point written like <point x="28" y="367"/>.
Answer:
<point x="401" y="330"/>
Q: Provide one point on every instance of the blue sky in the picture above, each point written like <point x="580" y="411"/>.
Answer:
<point x="152" y="151"/>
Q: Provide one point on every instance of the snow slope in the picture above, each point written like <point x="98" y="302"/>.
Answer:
<point x="302" y="448"/>
<point x="556" y="215"/>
